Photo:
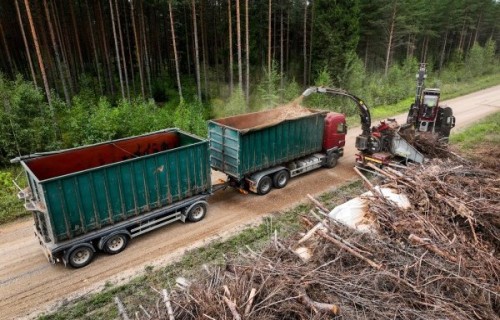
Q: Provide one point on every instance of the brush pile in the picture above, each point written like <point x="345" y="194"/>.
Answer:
<point x="437" y="260"/>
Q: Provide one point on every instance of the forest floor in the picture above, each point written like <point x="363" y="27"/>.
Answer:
<point x="31" y="286"/>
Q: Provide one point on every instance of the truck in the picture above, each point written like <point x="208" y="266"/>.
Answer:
<point x="98" y="197"/>
<point x="262" y="150"/>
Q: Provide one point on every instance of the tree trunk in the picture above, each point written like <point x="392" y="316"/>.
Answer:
<point x="462" y="36"/>
<point x="305" y="44"/>
<point x="77" y="37"/>
<point x="146" y="54"/>
<point x="12" y="65"/>
<point x="231" y="67"/>
<point x="174" y="45"/>
<point x="196" y="50"/>
<point x="477" y="27"/>
<point x="311" y="24"/>
<point x="188" y="47"/>
<point x="137" y="47"/>
<point x="204" y="50"/>
<point x="105" y="47"/>
<point x="238" y="36"/>
<point x="56" y="51"/>
<point x="247" y="49"/>
<point x="367" y="45"/>
<point x="216" y="20"/>
<point x="129" y="47"/>
<point x="269" y="32"/>
<point x="124" y="59"/>
<point x="281" y="55"/>
<point x="25" y="40"/>
<point x="287" y="58"/>
<point x="441" y="58"/>
<point x="64" y="44"/>
<point x="94" y="48"/>
<point x="389" y="42"/>
<point x="40" y="60"/>
<point x="117" y="51"/>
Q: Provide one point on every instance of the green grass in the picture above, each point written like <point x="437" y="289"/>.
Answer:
<point x="486" y="131"/>
<point x="139" y="290"/>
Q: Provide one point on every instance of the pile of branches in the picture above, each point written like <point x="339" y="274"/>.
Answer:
<point x="437" y="260"/>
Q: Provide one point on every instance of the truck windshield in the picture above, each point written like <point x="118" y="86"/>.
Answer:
<point x="430" y="101"/>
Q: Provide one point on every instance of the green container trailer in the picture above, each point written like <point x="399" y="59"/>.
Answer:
<point x="100" y="196"/>
<point x="263" y="149"/>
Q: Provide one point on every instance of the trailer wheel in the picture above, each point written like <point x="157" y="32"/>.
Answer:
<point x="116" y="243"/>
<point x="81" y="256"/>
<point x="265" y="185"/>
<point x="197" y="212"/>
<point x="280" y="179"/>
<point x="331" y="161"/>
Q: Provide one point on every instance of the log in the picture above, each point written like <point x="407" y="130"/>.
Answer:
<point x="250" y="301"/>
<point x="431" y="247"/>
<point x="388" y="175"/>
<point x="166" y="299"/>
<point x="232" y="306"/>
<point x="370" y="185"/>
<point x="348" y="249"/>
<point x="315" y="306"/>
<point x="318" y="204"/>
<point x="121" y="309"/>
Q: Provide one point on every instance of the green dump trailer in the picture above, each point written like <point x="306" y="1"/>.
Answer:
<point x="261" y="150"/>
<point x="100" y="196"/>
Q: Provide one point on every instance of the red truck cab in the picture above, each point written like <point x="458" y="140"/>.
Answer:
<point x="335" y="131"/>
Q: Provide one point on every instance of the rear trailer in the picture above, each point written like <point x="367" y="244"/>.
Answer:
<point x="264" y="149"/>
<point x="98" y="197"/>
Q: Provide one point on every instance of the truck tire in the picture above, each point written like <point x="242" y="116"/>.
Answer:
<point x="331" y="161"/>
<point x="280" y="179"/>
<point x="116" y="243"/>
<point x="197" y="212"/>
<point x="265" y="185"/>
<point x="81" y="256"/>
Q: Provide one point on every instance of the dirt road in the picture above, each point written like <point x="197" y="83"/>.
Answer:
<point x="30" y="285"/>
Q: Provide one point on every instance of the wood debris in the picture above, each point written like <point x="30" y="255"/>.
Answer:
<point x="437" y="259"/>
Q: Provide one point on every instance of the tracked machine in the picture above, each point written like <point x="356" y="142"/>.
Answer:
<point x="426" y="116"/>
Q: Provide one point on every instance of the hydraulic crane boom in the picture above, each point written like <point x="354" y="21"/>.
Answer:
<point x="364" y="113"/>
<point x="379" y="144"/>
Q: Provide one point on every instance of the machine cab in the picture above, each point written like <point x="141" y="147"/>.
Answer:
<point x="430" y="103"/>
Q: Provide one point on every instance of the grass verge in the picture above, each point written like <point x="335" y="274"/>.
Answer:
<point x="486" y="131"/>
<point x="139" y="291"/>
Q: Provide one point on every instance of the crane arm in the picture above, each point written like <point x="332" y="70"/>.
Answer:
<point x="364" y="113"/>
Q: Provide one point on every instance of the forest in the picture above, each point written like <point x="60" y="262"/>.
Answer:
<point x="82" y="71"/>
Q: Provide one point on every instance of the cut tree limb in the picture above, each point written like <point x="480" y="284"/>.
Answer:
<point x="431" y="247"/>
<point x="318" y="306"/>
<point x="166" y="299"/>
<point x="121" y="309"/>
